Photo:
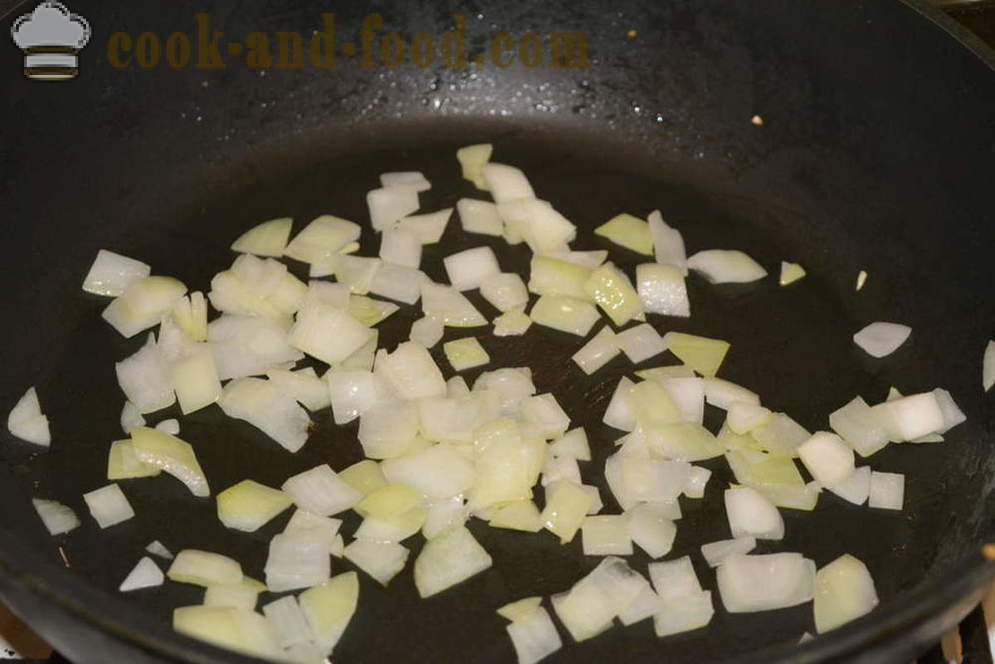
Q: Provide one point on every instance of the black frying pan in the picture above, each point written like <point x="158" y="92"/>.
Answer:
<point x="875" y="153"/>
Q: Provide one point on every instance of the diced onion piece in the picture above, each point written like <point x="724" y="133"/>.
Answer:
<point x="466" y="353"/>
<point x="565" y="314"/>
<point x="633" y="480"/>
<point x="446" y="513"/>
<point x="455" y="419"/>
<point x="329" y="608"/>
<point x="844" y="591"/>
<point x="684" y="614"/>
<point x="702" y="354"/>
<point x="952" y="414"/>
<point x="521" y="609"/>
<point x="327" y="333"/>
<point x="146" y="574"/>
<point x="257" y="287"/>
<point x="662" y="290"/>
<point x="674" y="579"/>
<point x="190" y="314"/>
<point x="142" y="304"/>
<point x="248" y="505"/>
<point x="58" y="518"/>
<point x="170" y="426"/>
<point x="389" y="204"/>
<point x="506" y="183"/>
<point x="534" y="637"/>
<point x="352" y="393"/>
<point x="585" y="610"/>
<point x="557" y="468"/>
<point x="861" y="279"/>
<point x="588" y="259"/>
<point x="235" y="629"/>
<point x="988" y="367"/>
<point x="572" y="444"/>
<point x="697" y="480"/>
<point x="387" y="430"/>
<point x="651" y="530"/>
<point x="370" y="312"/>
<point x="566" y="508"/>
<point x="743" y="417"/>
<point x="790" y="273"/>
<point x="321" y="239"/>
<point x="112" y="273"/>
<point x="479" y="217"/>
<point x="412" y="372"/>
<point x="414" y="179"/>
<point x="546" y="414"/>
<point x="449" y="559"/>
<point x="243" y="595"/>
<point x="400" y="247"/>
<point x="683" y="441"/>
<point x="628" y="231"/>
<point x="652" y="405"/>
<point x="911" y="417"/>
<point x="426" y="331"/>
<point x="887" y="491"/>
<point x="856" y="488"/>
<point x="248" y="346"/>
<point x="612" y="291"/>
<point x="130" y="417"/>
<point x="388" y="501"/>
<point x="364" y="476"/>
<point x="204" y="568"/>
<point x="517" y="515"/>
<point x="598" y="351"/>
<point x="428" y="228"/>
<point x="750" y="514"/>
<point x="158" y="549"/>
<point x="304" y="386"/>
<point x="619" y="413"/>
<point x="468" y="269"/>
<point x="357" y="272"/>
<point x="765" y="582"/>
<point x="397" y="283"/>
<point x="448" y="305"/>
<point x="438" y="472"/>
<point x="321" y="491"/>
<point x="505" y="291"/>
<point x="264" y="406"/>
<point x="108" y="505"/>
<point x="288" y="621"/>
<point x="145" y="380"/>
<point x="537" y="223"/>
<point x="723" y="393"/>
<point x="267" y="239"/>
<point x="472" y="159"/>
<point x="686" y="392"/>
<point x="195" y="380"/>
<point x="716" y="552"/>
<point x="512" y="386"/>
<point x="781" y="435"/>
<point x="668" y="243"/>
<point x="827" y="458"/>
<point x="721" y="266"/>
<point x="316" y="527"/>
<point x="296" y="560"/>
<point x="640" y="343"/>
<point x="859" y="426"/>
<point x="171" y="454"/>
<point x="123" y="462"/>
<point x="381" y="560"/>
<point x="512" y="323"/>
<point x="606" y="535"/>
<point x="27" y="422"/>
<point x="882" y="339"/>
<point x="552" y="276"/>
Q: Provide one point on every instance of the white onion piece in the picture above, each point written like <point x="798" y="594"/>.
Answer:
<point x="882" y="339"/>
<point x="457" y="387"/>
<point x="321" y="491"/>
<point x="662" y="290"/>
<point x="289" y="621"/>
<point x="668" y="243"/>
<point x="195" y="380"/>
<point x="589" y="607"/>
<point x="861" y="279"/>
<point x="856" y="488"/>
<point x="827" y="458"/>
<point x="400" y="247"/>
<point x="440" y="472"/>
<point x="426" y="331"/>
<point x="555" y="469"/>
<point x="190" y="314"/>
<point x="357" y="272"/>
<point x="512" y="386"/>
<point x="566" y="508"/>
<point x="988" y="367"/>
<point x="565" y="314"/>
<point x="324" y="237"/>
<point x="546" y="415"/>
<point x="716" y="552"/>
<point x="297" y="560"/>
<point x="130" y="417"/>
<point x="264" y="406"/>
<point x="674" y="579"/>
<point x="781" y="435"/>
<point x="598" y="351"/>
<point x="304" y="386"/>
<point x="108" y="505"/>
<point x="381" y="560"/>
<point x="448" y="305"/>
<point x="249" y="505"/>
<point x="112" y="273"/>
<point x="172" y="427"/>
<point x="743" y="417"/>
<point x="387" y="430"/>
<point x="685" y="614"/>
<point x="204" y="568"/>
<point x="266" y="239"/>
<point x="651" y="529"/>
<point x="697" y="481"/>
<point x="172" y="455"/>
<point x="619" y="413"/>
<point x="369" y="312"/>
<point x="887" y="491"/>
<point x="512" y="323"/>
<point x="611" y="289"/>
<point x="329" y="608"/>
<point x="146" y="574"/>
<point x="257" y="287"/>
<point x="572" y="444"/>
<point x="412" y="373"/>
<point x="844" y="591"/>
<point x="688" y="394"/>
<point x="319" y="527"/>
<point x="588" y="259"/>
<point x="538" y="224"/>
<point x="628" y="231"/>
<point x="721" y="266"/>
<point x="448" y="559"/>
<point x="750" y="514"/>
<point x="243" y="595"/>
<point x="790" y="273"/>
<point x="397" y="283"/>
<point x="506" y="183"/>
<point x="414" y="179"/>
<point x="27" y="422"/>
<point x="468" y="269"/>
<point x="505" y="291"/>
<point x="640" y="342"/>
<point x="466" y="353"/>
<point x="952" y="414"/>
<point x="389" y="204"/>
<point x="143" y="304"/>
<point x="144" y="378"/>
<point x="248" y="346"/>
<point x="235" y="629"/>
<point x="157" y="548"/>
<point x="479" y="217"/>
<point x="456" y="419"/>
<point x="58" y="518"/>
<point x="552" y="276"/>
<point x="428" y="228"/>
<point x="646" y="604"/>
<point x="765" y="582"/>
<point x="633" y="480"/>
<point x="534" y="637"/>
<point x="859" y="426"/>
<point x="723" y="393"/>
<point x="123" y="462"/>
<point x="352" y="393"/>
<point x="911" y="417"/>
<point x="328" y="334"/>
<point x="472" y="159"/>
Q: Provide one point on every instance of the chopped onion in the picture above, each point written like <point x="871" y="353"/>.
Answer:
<point x="400" y="247"/>
<point x="553" y="276"/>
<point x="389" y="501"/>
<point x="171" y="426"/>
<point x="448" y="305"/>
<point x="146" y="574"/>
<point x="589" y="607"/>
<point x="633" y="480"/>
<point x="683" y="441"/>
<point x="130" y="417"/>
<point x="365" y="476"/>
<point x="557" y="468"/>
<point x="479" y="217"/>
<point x="142" y="304"/>
<point x="468" y="269"/>
<point x="297" y="559"/>
<point x="743" y="417"/>
<point x="352" y="393"/>
<point x="619" y="413"/>
<point x="144" y="378"/>
<point x="235" y="629"/>
<point x="472" y="159"/>
<point x="257" y="287"/>
<point x="628" y="231"/>
<point x="537" y="223"/>
<point x="859" y="426"/>
<point x="413" y="179"/>
<point x="952" y="414"/>
<point x="171" y="454"/>
<point x="546" y="414"/>
<point x="781" y="435"/>
<point x="327" y="333"/>
<point x="887" y="491"/>
<point x="389" y="204"/>
<point x="288" y="621"/>
<point x="881" y="339"/>
<point x="386" y="430"/>
<point x="697" y="481"/>
<point x="58" y="518"/>
<point x="688" y="394"/>
<point x="716" y="552"/>
<point x="640" y="343"/>
<point x="370" y="312"/>
<point x="243" y="595"/>
<point x="588" y="259"/>
<point x="190" y="314"/>
<point x="506" y="183"/>
<point x="827" y="458"/>
<point x="264" y="406"/>
<point x="520" y="515"/>
<point x="765" y="582"/>
<point x="466" y="353"/>
<point x="512" y="323"/>
<point x="357" y="272"/>
<point x="856" y="488"/>
<point x="702" y="354"/>
<point x="844" y="591"/>
<point x="267" y="239"/>
<point x="598" y="351"/>
<point x="248" y="505"/>
<point x="513" y="386"/>
<point x="303" y="386"/>
<point x="321" y="491"/>
<point x="652" y="405"/>
<point x="158" y="549"/>
<point x="428" y="228"/>
<point x="412" y="373"/>
<point x="439" y="472"/>
<point x="572" y="444"/>
<point x="861" y="279"/>
<point x="123" y="462"/>
<point x="112" y="273"/>
<point x="668" y="243"/>
<point x="662" y="290"/>
<point x="565" y="314"/>
<point x="721" y="266"/>
<point x="613" y="292"/>
<point x="724" y="394"/>
<point x="790" y="273"/>
<point x="446" y="513"/>
<point x="108" y="505"/>
<point x="248" y="346"/>
<point x="988" y="367"/>
<point x="521" y="609"/>
<point x="397" y="283"/>
<point x="651" y="529"/>
<point x="534" y="637"/>
<point x="317" y="527"/>
<point x="566" y="508"/>
<point x="27" y="422"/>
<point x="911" y="417"/>
<point x="381" y="560"/>
<point x="448" y="559"/>
<point x="505" y="291"/>
<point x="426" y="331"/>
<point x="329" y="607"/>
<point x="323" y="238"/>
<point x="684" y="614"/>
<point x="195" y="380"/>
<point x="750" y="514"/>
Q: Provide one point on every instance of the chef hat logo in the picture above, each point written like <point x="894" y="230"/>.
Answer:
<point x="51" y="37"/>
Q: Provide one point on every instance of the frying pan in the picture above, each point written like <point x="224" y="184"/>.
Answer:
<point x="875" y="153"/>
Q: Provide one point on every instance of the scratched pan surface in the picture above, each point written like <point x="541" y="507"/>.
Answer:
<point x="875" y="154"/>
